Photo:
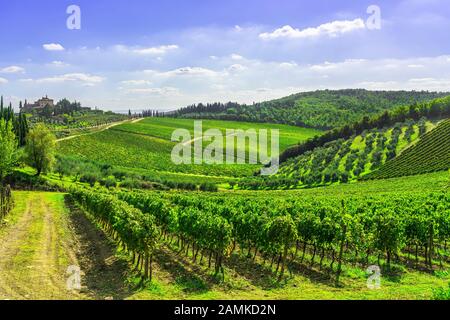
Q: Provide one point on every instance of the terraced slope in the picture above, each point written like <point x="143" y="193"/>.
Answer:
<point x="430" y="154"/>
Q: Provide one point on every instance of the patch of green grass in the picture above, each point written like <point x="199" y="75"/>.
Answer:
<point x="163" y="128"/>
<point x="411" y="285"/>
<point x="442" y="273"/>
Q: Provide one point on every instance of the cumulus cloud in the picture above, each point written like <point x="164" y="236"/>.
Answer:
<point x="136" y="82"/>
<point x="83" y="78"/>
<point x="53" y="47"/>
<point x="12" y="69"/>
<point x="235" y="56"/>
<point x="153" y="51"/>
<point x="3" y="81"/>
<point x="331" y="29"/>
<point x="58" y="63"/>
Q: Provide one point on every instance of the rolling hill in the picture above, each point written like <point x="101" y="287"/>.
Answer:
<point x="323" y="109"/>
<point x="353" y="152"/>
<point x="145" y="148"/>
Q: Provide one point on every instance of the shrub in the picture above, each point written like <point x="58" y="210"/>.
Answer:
<point x="109" y="182"/>
<point x="209" y="187"/>
<point x="90" y="178"/>
<point x="129" y="183"/>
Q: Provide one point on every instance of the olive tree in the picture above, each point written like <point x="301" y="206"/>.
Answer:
<point x="40" y="148"/>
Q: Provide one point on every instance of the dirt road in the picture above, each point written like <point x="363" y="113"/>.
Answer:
<point x="109" y="126"/>
<point x="43" y="236"/>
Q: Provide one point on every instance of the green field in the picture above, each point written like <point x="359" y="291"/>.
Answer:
<point x="146" y="145"/>
<point x="163" y="128"/>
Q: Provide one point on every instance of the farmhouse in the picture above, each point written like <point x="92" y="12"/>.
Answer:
<point x="39" y="105"/>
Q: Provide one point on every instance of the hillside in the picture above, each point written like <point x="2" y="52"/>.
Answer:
<point x="431" y="153"/>
<point x="435" y="109"/>
<point x="324" y="109"/>
<point x="144" y="149"/>
<point x="344" y="160"/>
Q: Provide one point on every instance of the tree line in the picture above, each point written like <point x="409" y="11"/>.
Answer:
<point x="18" y="121"/>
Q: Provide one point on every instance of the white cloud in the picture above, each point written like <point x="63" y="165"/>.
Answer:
<point x="84" y="78"/>
<point x="416" y="66"/>
<point x="53" y="47"/>
<point x="185" y="71"/>
<point x="328" y="66"/>
<point x="378" y="85"/>
<point x="331" y="29"/>
<point x="324" y="66"/>
<point x="57" y="63"/>
<point x="12" y="69"/>
<point x="3" y="81"/>
<point x="237" y="68"/>
<point x="136" y="82"/>
<point x="164" y="91"/>
<point x="235" y="56"/>
<point x="264" y="80"/>
<point x="288" y="65"/>
<point x="160" y="50"/>
<point x="441" y="83"/>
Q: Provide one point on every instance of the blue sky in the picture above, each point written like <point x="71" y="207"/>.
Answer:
<point x="166" y="54"/>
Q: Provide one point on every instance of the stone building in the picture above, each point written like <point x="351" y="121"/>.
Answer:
<point x="40" y="104"/>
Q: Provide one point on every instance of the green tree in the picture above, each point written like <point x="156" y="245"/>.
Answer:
<point x="8" y="149"/>
<point x="40" y="148"/>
